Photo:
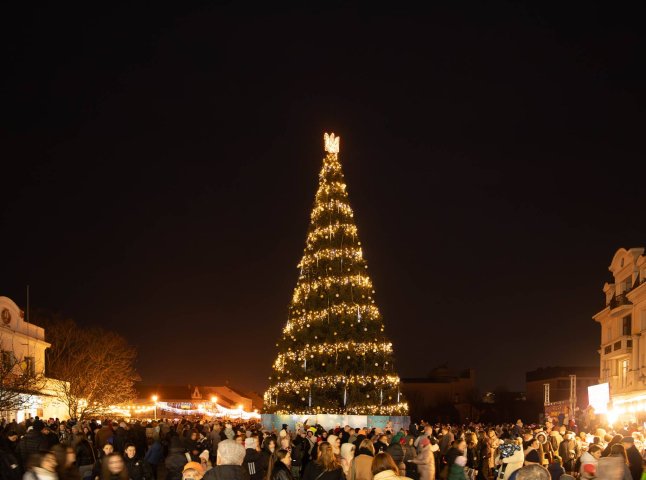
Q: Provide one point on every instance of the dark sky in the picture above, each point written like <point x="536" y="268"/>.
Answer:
<point x="159" y="165"/>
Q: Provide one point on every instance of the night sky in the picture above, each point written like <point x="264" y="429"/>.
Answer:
<point x="159" y="165"/>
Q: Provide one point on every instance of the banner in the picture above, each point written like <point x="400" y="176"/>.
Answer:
<point x="330" y="421"/>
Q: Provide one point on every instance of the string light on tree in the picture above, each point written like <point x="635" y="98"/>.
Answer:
<point x="333" y="347"/>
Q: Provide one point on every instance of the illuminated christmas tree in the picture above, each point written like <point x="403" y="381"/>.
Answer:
<point x="334" y="356"/>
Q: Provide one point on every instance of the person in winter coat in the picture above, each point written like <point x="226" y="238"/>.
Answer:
<point x="458" y="449"/>
<point x="154" y="456"/>
<point x="228" y="432"/>
<point x="266" y="454"/>
<point x="634" y="458"/>
<point x="85" y="456"/>
<point x="253" y="459"/>
<point x="281" y="468"/>
<point x="32" y="442"/>
<point x="114" y="468"/>
<point x="229" y="461"/>
<point x="43" y="468"/>
<point x="381" y="444"/>
<point x="347" y="457"/>
<point x="456" y="470"/>
<point x="325" y="467"/>
<point x="425" y="460"/>
<point x="175" y="461"/>
<point x="614" y="466"/>
<point x="385" y="468"/>
<point x="555" y="469"/>
<point x="410" y="452"/>
<point x="591" y="457"/>
<point x="616" y="439"/>
<point x="335" y="443"/>
<point x="446" y="440"/>
<point x="361" y="466"/>
<point x="396" y="450"/>
<point x="137" y="468"/>
<point x="510" y="464"/>
<point x="214" y="438"/>
<point x="473" y="451"/>
<point x="532" y="456"/>
<point x="65" y="462"/>
<point x="103" y="435"/>
<point x="98" y="465"/>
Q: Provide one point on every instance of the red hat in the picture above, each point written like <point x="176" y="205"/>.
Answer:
<point x="589" y="468"/>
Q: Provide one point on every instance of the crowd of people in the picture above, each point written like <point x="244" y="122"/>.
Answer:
<point x="184" y="449"/>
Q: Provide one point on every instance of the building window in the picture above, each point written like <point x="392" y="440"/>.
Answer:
<point x="625" y="325"/>
<point x="30" y="366"/>
<point x="623" y="373"/>
<point x="617" y="345"/>
<point x="629" y="343"/>
<point x="607" y="350"/>
<point x="7" y="360"/>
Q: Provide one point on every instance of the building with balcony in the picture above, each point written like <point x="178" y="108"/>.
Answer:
<point x="22" y="346"/>
<point x="623" y="330"/>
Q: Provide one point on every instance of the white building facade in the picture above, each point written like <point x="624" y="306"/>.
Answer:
<point x="23" y="344"/>
<point x="623" y="333"/>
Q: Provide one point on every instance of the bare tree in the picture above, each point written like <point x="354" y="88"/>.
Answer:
<point x="19" y="381"/>
<point x="93" y="369"/>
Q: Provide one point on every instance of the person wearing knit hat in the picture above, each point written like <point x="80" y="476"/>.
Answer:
<point x="396" y="450"/>
<point x="192" y="471"/>
<point x="194" y="466"/>
<point x="425" y="460"/>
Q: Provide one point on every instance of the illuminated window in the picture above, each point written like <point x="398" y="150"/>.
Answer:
<point x="623" y="373"/>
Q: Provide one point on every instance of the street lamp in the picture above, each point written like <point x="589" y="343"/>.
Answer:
<point x="155" y="398"/>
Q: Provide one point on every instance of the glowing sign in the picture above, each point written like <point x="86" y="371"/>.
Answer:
<point x="599" y="396"/>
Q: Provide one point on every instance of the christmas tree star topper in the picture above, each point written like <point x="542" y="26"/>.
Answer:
<point x="331" y="143"/>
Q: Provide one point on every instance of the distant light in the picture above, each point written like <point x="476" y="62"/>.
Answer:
<point x="214" y="399"/>
<point x="155" y="398"/>
<point x="240" y="406"/>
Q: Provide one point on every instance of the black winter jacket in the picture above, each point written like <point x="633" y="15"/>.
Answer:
<point x="32" y="442"/>
<point x="230" y="472"/>
<point x="253" y="462"/>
